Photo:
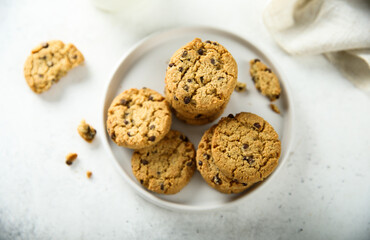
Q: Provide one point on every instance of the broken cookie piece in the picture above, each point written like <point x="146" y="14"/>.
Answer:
<point x="86" y="131"/>
<point x="265" y="80"/>
<point x="49" y="62"/>
<point x="70" y="158"/>
<point x="240" y="87"/>
<point x="88" y="174"/>
<point x="275" y="108"/>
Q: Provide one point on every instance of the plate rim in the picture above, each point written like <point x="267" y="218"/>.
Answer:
<point x="177" y="206"/>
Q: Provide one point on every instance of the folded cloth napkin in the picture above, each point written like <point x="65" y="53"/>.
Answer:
<point x="339" y="29"/>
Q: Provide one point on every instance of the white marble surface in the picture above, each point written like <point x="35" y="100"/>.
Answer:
<point x="322" y="192"/>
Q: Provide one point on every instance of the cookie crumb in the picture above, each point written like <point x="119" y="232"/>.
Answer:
<point x="88" y="174"/>
<point x="274" y="108"/>
<point x="86" y="131"/>
<point x="240" y="87"/>
<point x="70" y="158"/>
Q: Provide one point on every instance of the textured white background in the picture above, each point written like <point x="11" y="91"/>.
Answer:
<point x="322" y="192"/>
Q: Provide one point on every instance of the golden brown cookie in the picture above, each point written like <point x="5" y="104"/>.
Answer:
<point x="210" y="172"/>
<point x="138" y="118"/>
<point x="265" y="80"/>
<point x="167" y="166"/>
<point x="200" y="77"/>
<point x="199" y="119"/>
<point x="245" y="148"/>
<point x="49" y="62"/>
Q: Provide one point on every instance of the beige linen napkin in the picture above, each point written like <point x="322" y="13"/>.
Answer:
<point x="339" y="29"/>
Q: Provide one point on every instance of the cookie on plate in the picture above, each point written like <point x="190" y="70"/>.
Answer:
<point x="167" y="166"/>
<point x="200" y="77"/>
<point x="210" y="172"/>
<point x="138" y="118"/>
<point x="265" y="80"/>
<point x="49" y="62"/>
<point x="245" y="148"/>
<point x="199" y="119"/>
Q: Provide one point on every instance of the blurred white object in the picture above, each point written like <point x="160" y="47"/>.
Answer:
<point x="339" y="29"/>
<point x="112" y="5"/>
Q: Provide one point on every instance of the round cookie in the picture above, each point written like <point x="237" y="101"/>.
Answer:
<point x="49" y="62"/>
<point x="200" y="77"/>
<point x="210" y="172"/>
<point x="245" y="148"/>
<point x="138" y="118"/>
<point x="200" y="120"/>
<point x="167" y="166"/>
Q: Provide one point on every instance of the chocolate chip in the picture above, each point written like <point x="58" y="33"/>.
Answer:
<point x="43" y="57"/>
<point x="53" y="80"/>
<point x="151" y="138"/>
<point x="257" y="125"/>
<point x="186" y="88"/>
<point x="184" y="138"/>
<point x="187" y="100"/>
<point x="200" y="163"/>
<point x="253" y="79"/>
<point x="230" y="116"/>
<point x="189" y="164"/>
<point x="113" y="136"/>
<point x="198" y="116"/>
<point x="69" y="162"/>
<point x="159" y="173"/>
<point x="74" y="56"/>
<point x="200" y="51"/>
<point x="206" y="156"/>
<point x="208" y="41"/>
<point x="141" y="181"/>
<point x="45" y="45"/>
<point x="189" y="80"/>
<point x="213" y="61"/>
<point x="41" y="75"/>
<point x="245" y="146"/>
<point x="184" y="54"/>
<point x="277" y="96"/>
<point x="244" y="184"/>
<point x="268" y="70"/>
<point x="171" y="64"/>
<point x="201" y="79"/>
<point x="147" y="154"/>
<point x="124" y="102"/>
<point x="162" y="186"/>
<point x="129" y="134"/>
<point x="144" y="162"/>
<point x="249" y="159"/>
<point x="257" y="60"/>
<point x="217" y="180"/>
<point x="126" y="122"/>
<point x="180" y="69"/>
<point x="152" y="126"/>
<point x="215" y="44"/>
<point x="174" y="97"/>
<point x="150" y="98"/>
<point x="220" y="78"/>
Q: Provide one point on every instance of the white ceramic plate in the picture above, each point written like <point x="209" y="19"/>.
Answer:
<point x="145" y="66"/>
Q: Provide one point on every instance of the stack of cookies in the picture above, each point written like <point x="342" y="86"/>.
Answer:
<point x="238" y="152"/>
<point x="200" y="79"/>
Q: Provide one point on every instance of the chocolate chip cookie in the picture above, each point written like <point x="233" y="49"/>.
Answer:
<point x="200" y="77"/>
<point x="167" y="166"/>
<point x="210" y="172"/>
<point x="86" y="131"/>
<point x="265" y="80"/>
<point x="138" y="118"/>
<point x="199" y="119"/>
<point x="245" y="148"/>
<point x="49" y="62"/>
